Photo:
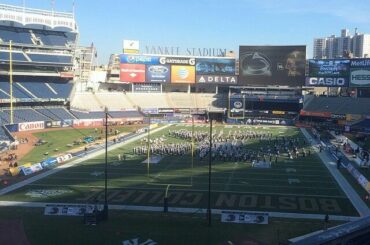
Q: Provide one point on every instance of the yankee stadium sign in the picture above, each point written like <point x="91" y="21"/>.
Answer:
<point x="170" y="50"/>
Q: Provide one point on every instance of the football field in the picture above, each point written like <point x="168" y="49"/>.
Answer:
<point x="299" y="185"/>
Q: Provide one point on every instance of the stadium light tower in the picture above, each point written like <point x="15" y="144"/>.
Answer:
<point x="209" y="211"/>
<point x="105" y="214"/>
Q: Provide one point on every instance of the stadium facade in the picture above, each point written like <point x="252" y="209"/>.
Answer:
<point x="54" y="80"/>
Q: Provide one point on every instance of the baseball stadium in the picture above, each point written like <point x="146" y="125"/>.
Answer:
<point x="157" y="147"/>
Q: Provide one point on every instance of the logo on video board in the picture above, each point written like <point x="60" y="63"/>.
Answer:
<point x="272" y="65"/>
<point x="182" y="74"/>
<point x="360" y="73"/>
<point x="158" y="73"/>
<point x="132" y="73"/>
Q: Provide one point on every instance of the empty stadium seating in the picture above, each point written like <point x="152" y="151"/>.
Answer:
<point x="50" y="58"/>
<point x="16" y="56"/>
<point x="3" y="135"/>
<point x="22" y="115"/>
<point x="31" y="88"/>
<point x="123" y="114"/>
<point x="56" y="114"/>
<point x="338" y="105"/>
<point x="98" y="101"/>
<point x="88" y="115"/>
<point x="46" y="37"/>
<point x="150" y="100"/>
<point x="17" y="35"/>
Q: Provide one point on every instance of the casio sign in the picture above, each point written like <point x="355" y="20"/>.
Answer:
<point x="326" y="81"/>
<point x="238" y="104"/>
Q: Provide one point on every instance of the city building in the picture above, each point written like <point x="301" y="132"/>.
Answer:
<point x="345" y="45"/>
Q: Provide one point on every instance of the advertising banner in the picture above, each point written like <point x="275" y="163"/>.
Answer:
<point x="177" y="61"/>
<point x="68" y="210"/>
<point x="158" y="73"/>
<point x="272" y="65"/>
<point x="130" y="46"/>
<point x="64" y="158"/>
<point x="244" y="217"/>
<point x="328" y="68"/>
<point x="182" y="74"/>
<point x="214" y="79"/>
<point x="207" y="66"/>
<point x="338" y="116"/>
<point x="315" y="113"/>
<point x="49" y="162"/>
<point x="328" y="73"/>
<point x="149" y="110"/>
<point x="87" y="122"/>
<point x="28" y="126"/>
<point x="139" y="59"/>
<point x="165" y="110"/>
<point x="134" y="73"/>
<point x="53" y="124"/>
<point x="147" y="88"/>
<point x="360" y="73"/>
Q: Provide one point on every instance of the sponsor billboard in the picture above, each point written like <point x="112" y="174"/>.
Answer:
<point x="328" y="73"/>
<point x="244" y="217"/>
<point x="217" y="79"/>
<point x="177" y="61"/>
<point x="139" y="59"/>
<point x="272" y="65"/>
<point x="28" y="126"/>
<point x="158" y="73"/>
<point x="360" y="73"/>
<point x="130" y="46"/>
<point x="146" y="87"/>
<point x="134" y="73"/>
<point x="207" y="66"/>
<point x="182" y="74"/>
<point x="328" y="68"/>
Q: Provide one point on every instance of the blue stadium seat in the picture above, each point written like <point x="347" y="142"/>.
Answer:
<point x="123" y="114"/>
<point x="50" y="58"/>
<point x="88" y="115"/>
<point x="56" y="114"/>
<point x="17" y="35"/>
<point x="15" y="56"/>
<point x="3" y="135"/>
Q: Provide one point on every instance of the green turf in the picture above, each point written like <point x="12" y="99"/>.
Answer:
<point x="58" y="140"/>
<point x="234" y="185"/>
<point x="161" y="228"/>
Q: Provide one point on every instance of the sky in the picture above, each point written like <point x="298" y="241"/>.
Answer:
<point x="222" y="24"/>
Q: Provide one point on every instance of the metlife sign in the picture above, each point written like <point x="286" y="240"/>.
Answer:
<point x="360" y="73"/>
<point x="214" y="79"/>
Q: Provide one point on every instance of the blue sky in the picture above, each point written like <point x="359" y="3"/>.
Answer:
<point x="208" y="23"/>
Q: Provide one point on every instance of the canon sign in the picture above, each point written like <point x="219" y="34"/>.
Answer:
<point x="326" y="81"/>
<point x="31" y="126"/>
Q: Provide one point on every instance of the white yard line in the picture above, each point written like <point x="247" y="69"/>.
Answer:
<point x="192" y="190"/>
